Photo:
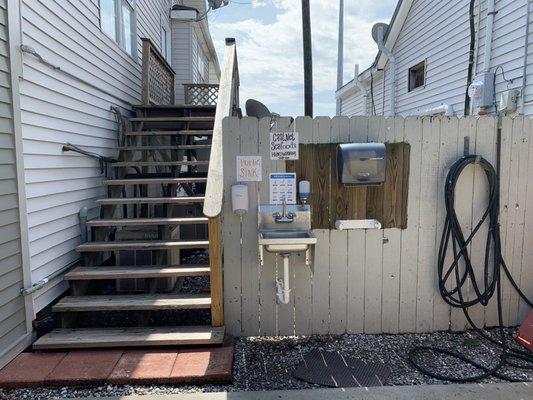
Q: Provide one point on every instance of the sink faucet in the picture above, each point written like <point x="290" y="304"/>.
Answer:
<point x="284" y="217"/>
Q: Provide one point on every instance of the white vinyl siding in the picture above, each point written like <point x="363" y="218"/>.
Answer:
<point x="439" y="33"/>
<point x="528" y="99"/>
<point x="58" y="108"/>
<point x="13" y="322"/>
<point x="181" y="56"/>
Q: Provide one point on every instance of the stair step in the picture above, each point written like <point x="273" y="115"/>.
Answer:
<point x="150" y="200"/>
<point x="153" y="181"/>
<point x="136" y="272"/>
<point x="130" y="337"/>
<point x="147" y="221"/>
<point x="132" y="302"/>
<point x="157" y="163"/>
<point x="155" y="148"/>
<point x="173" y="119"/>
<point x="142" y="245"/>
<point x="202" y="132"/>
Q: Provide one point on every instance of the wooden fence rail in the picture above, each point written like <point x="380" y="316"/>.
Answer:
<point x="378" y="281"/>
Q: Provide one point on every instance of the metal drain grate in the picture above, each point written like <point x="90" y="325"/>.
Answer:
<point x="328" y="368"/>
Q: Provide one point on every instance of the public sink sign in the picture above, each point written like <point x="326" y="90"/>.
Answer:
<point x="284" y="146"/>
<point x="249" y="169"/>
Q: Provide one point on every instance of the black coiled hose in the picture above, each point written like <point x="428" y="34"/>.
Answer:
<point x="453" y="279"/>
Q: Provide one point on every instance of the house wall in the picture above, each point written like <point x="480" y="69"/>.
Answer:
<point x="181" y="56"/>
<point x="15" y="326"/>
<point x="379" y="281"/>
<point x="71" y="105"/>
<point x="439" y="33"/>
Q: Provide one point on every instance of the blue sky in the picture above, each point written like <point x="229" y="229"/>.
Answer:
<point x="269" y="46"/>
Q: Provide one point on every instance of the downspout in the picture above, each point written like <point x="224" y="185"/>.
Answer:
<point x="526" y="46"/>
<point x="489" y="33"/>
<point x="392" y="60"/>
<point x="359" y="83"/>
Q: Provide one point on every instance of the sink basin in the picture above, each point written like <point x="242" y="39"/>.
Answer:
<point x="286" y="241"/>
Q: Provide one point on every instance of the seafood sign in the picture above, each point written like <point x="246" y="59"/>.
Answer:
<point x="284" y="146"/>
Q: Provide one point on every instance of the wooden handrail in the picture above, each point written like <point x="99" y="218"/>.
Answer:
<point x="158" y="77"/>
<point x="227" y="105"/>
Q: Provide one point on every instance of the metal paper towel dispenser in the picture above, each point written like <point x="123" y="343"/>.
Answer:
<point x="361" y="163"/>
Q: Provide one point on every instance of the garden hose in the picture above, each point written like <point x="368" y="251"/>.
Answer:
<point x="453" y="280"/>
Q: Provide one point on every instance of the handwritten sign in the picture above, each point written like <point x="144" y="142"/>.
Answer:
<point x="249" y="168"/>
<point x="282" y="185"/>
<point x="284" y="146"/>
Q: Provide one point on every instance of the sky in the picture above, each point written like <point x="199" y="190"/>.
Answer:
<point x="269" y="47"/>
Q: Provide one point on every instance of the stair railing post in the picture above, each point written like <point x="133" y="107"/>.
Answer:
<point x="216" y="272"/>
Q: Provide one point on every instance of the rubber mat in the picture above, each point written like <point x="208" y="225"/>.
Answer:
<point x="328" y="368"/>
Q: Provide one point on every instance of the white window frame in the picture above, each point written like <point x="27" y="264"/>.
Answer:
<point x="202" y="60"/>
<point x="166" y="41"/>
<point x="120" y="39"/>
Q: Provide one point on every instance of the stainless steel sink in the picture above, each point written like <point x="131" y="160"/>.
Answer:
<point x="286" y="241"/>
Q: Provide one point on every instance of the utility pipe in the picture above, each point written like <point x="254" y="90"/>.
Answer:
<point x="383" y="48"/>
<point x="445" y="109"/>
<point x="489" y="32"/>
<point x="360" y="85"/>
<point x="282" y="287"/>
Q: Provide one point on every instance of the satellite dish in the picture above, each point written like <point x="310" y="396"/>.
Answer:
<point x="380" y="26"/>
<point x="257" y="109"/>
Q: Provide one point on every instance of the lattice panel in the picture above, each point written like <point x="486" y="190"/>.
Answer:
<point x="201" y="94"/>
<point x="161" y="81"/>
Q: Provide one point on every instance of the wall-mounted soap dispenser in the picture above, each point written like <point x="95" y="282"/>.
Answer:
<point x="361" y="163"/>
<point x="239" y="198"/>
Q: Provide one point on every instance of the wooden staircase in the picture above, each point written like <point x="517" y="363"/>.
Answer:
<point x="150" y="219"/>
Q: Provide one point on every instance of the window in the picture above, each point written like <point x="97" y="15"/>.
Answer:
<point x="165" y="43"/>
<point x="417" y="76"/>
<point x="202" y="66"/>
<point x="117" y="20"/>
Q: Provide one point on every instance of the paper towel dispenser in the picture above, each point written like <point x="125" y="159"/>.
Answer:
<point x="361" y="163"/>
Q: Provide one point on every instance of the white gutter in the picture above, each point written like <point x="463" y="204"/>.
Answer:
<point x="487" y="57"/>
<point x="445" y="109"/>
<point x="384" y="50"/>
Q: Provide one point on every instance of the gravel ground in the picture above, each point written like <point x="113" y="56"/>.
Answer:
<point x="266" y="363"/>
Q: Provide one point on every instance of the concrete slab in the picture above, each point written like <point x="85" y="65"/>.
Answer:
<point x="143" y="367"/>
<point x="214" y="365"/>
<point x="84" y="368"/>
<point x="499" y="391"/>
<point x="29" y="369"/>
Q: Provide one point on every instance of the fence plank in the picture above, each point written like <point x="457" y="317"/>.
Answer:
<point x="267" y="280"/>
<point x="374" y="200"/>
<point x="463" y="202"/>
<point x="303" y="275"/>
<point x="355" y="281"/>
<point x="231" y="232"/>
<point x="526" y="277"/>
<point x="338" y="264"/>
<point x="522" y="151"/>
<point x="249" y="248"/>
<point x="426" y="242"/>
<point x="320" y="320"/>
<point x="372" y="277"/>
<point x="447" y="156"/>
<point x="391" y="281"/>
<point x="358" y="134"/>
<point x="409" y="253"/>
<point x="285" y="311"/>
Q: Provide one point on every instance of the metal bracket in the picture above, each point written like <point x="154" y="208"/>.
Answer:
<point x="466" y="146"/>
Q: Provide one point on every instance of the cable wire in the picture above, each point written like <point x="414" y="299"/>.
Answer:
<point x="453" y="280"/>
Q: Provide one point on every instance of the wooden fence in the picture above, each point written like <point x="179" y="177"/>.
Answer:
<point x="378" y="281"/>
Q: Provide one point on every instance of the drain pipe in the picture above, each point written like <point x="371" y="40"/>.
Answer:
<point x="445" y="109"/>
<point x="360" y="86"/>
<point x="487" y="57"/>
<point x="392" y="60"/>
<point x="282" y="287"/>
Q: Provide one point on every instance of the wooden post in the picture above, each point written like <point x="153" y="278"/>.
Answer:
<point x="216" y="277"/>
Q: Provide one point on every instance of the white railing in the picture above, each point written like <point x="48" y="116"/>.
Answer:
<point x="227" y="105"/>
